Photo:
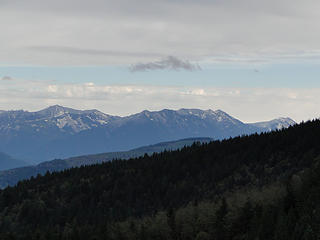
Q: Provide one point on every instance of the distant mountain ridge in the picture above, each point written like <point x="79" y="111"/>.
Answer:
<point x="12" y="176"/>
<point x="60" y="132"/>
<point x="7" y="162"/>
<point x="275" y="124"/>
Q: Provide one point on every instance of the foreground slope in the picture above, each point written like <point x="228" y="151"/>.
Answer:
<point x="60" y="132"/>
<point x="12" y="176"/>
<point x="253" y="187"/>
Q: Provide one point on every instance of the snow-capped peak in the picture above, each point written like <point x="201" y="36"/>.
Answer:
<point x="278" y="123"/>
<point x="73" y="121"/>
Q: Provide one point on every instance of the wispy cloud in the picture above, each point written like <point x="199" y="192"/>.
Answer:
<point x="90" y="51"/>
<point x="170" y="63"/>
<point x="80" y="30"/>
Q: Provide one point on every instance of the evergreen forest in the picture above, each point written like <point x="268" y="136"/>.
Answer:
<point x="259" y="187"/>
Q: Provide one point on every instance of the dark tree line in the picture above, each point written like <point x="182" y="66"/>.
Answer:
<point x="183" y="194"/>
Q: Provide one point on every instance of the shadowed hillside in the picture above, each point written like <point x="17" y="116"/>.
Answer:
<point x="12" y="176"/>
<point x="263" y="186"/>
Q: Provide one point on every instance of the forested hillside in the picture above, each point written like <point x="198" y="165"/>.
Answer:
<point x="263" y="186"/>
<point x="12" y="176"/>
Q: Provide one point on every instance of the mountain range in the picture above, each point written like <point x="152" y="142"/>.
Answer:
<point x="60" y="132"/>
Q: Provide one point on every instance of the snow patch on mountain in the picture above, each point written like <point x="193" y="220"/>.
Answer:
<point x="57" y="131"/>
<point x="278" y="124"/>
<point x="76" y="125"/>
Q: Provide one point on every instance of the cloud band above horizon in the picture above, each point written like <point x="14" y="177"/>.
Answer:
<point x="247" y="104"/>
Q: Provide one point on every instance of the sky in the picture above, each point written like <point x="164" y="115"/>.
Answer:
<point x="254" y="59"/>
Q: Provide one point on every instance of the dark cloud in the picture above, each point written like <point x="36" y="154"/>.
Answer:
<point x="6" y="78"/>
<point x="170" y="63"/>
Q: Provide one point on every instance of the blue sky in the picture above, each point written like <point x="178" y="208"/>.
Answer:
<point x="283" y="75"/>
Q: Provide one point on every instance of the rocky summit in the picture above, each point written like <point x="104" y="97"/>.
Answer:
<point x="60" y="132"/>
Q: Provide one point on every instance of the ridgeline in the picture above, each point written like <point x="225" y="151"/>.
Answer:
<point x="262" y="186"/>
